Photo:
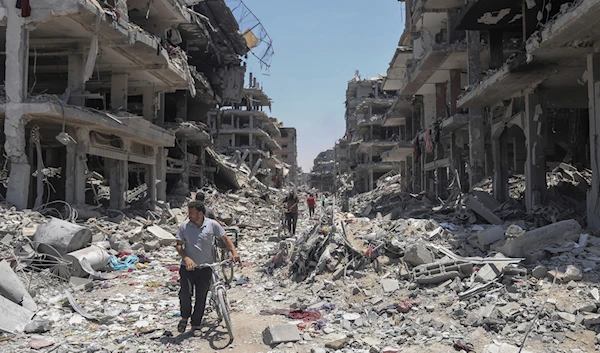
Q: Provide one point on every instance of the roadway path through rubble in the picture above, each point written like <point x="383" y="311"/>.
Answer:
<point x="249" y="299"/>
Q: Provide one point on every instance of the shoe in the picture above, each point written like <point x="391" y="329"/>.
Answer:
<point x="196" y="331"/>
<point x="182" y="325"/>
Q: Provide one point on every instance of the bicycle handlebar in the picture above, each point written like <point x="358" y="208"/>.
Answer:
<point x="214" y="265"/>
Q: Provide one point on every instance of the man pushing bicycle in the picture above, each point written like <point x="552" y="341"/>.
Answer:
<point x="194" y="245"/>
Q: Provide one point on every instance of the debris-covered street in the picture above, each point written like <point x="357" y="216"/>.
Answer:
<point x="149" y="193"/>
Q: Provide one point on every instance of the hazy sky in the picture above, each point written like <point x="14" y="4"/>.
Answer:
<point x="318" y="46"/>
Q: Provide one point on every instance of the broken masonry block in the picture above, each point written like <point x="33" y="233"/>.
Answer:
<point x="442" y="271"/>
<point x="417" y="254"/>
<point x="276" y="334"/>
<point x="539" y="238"/>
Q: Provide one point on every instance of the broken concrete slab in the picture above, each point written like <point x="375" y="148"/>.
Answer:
<point x="539" y="238"/>
<point x="503" y="348"/>
<point x="283" y="333"/>
<point x="477" y="207"/>
<point x="489" y="272"/>
<point x="14" y="317"/>
<point x="509" y="310"/>
<point x="591" y="319"/>
<point x="417" y="254"/>
<point x="390" y="285"/>
<point x="486" y="199"/>
<point x="489" y="236"/>
<point x="164" y="238"/>
<point x="338" y="344"/>
<point x="13" y="289"/>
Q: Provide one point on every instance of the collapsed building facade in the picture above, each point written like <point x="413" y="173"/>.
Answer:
<point x="484" y="89"/>
<point x="367" y="138"/>
<point x="247" y="133"/>
<point x="323" y="173"/>
<point x="117" y="91"/>
<point x="288" y="154"/>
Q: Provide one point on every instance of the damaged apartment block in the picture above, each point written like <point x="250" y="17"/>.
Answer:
<point x="111" y="98"/>
<point x="245" y="132"/>
<point x="484" y="90"/>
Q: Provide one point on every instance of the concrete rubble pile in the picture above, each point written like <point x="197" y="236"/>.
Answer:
<point x="345" y="283"/>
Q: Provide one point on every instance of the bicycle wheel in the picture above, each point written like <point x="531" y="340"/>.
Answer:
<point x="227" y="270"/>
<point x="224" y="309"/>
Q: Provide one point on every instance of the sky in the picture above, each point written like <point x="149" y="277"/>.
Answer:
<point x="319" y="44"/>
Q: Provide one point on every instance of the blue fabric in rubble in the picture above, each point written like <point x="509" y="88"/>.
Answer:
<point x="124" y="265"/>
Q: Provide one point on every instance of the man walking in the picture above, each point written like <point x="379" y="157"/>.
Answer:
<point x="323" y="200"/>
<point x="194" y="245"/>
<point x="311" y="205"/>
<point x="291" y="212"/>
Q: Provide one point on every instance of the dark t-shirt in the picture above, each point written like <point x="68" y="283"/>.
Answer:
<point x="209" y="213"/>
<point x="292" y="201"/>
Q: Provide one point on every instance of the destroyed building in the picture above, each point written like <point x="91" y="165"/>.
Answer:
<point x="476" y="91"/>
<point x="246" y="132"/>
<point x="289" y="152"/>
<point x="322" y="175"/>
<point x="116" y="93"/>
<point x="367" y="138"/>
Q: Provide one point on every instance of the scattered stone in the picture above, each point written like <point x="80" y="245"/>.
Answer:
<point x="417" y="254"/>
<point x="283" y="333"/>
<point x="567" y="274"/>
<point x="338" y="344"/>
<point x="540" y="272"/>
<point x="595" y="294"/>
<point x="390" y="285"/>
<point x="567" y="317"/>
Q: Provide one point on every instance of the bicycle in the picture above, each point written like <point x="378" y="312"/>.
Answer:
<point x="219" y="302"/>
<point x="222" y="254"/>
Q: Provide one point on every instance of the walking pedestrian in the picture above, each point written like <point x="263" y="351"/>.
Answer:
<point x="311" y="205"/>
<point x="194" y="245"/>
<point x="291" y="211"/>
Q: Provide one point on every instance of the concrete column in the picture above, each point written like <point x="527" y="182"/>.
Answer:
<point x="17" y="60"/>
<point x="371" y="181"/>
<point x="593" y="195"/>
<point x="476" y="123"/>
<point x="160" y="111"/>
<point x="81" y="170"/>
<point x="500" y="159"/>
<point x="202" y="166"/>
<point x="535" y="167"/>
<point x="70" y="172"/>
<point x="250" y="139"/>
<point x="161" y="173"/>
<point x="75" y="78"/>
<point x="185" y="176"/>
<point x="455" y="90"/>
<point x="441" y="181"/>
<point x="255" y="168"/>
<point x="403" y="176"/>
<point x="496" y="49"/>
<point x="150" y="179"/>
<point x="251" y="122"/>
<point x="181" y="107"/>
<point x="118" y="91"/>
<point x="118" y="179"/>
<point x="148" y="103"/>
<point x="440" y="100"/>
